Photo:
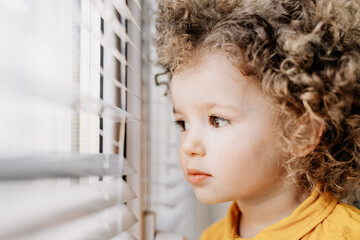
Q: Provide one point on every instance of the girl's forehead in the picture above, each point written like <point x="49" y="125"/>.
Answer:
<point x="215" y="80"/>
<point x="209" y="65"/>
<point x="206" y="91"/>
<point x="213" y="73"/>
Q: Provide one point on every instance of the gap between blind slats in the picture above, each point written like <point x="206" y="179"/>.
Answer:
<point x="100" y="225"/>
<point x="120" y="31"/>
<point x="100" y="37"/>
<point x="64" y="165"/>
<point x="117" y="83"/>
<point x="114" y="142"/>
<point x="114" y="51"/>
<point x="50" y="204"/>
<point x="109" y="17"/>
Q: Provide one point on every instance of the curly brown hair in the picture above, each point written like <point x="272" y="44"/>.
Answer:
<point x="305" y="55"/>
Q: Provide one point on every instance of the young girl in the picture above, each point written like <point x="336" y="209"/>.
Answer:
<point x="266" y="93"/>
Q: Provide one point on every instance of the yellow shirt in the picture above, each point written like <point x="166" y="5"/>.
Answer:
<point x="320" y="216"/>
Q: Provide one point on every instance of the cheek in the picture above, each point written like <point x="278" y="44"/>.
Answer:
<point x="230" y="157"/>
<point x="241" y="158"/>
<point x="237" y="162"/>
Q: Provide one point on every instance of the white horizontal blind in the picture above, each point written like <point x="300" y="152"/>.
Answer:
<point x="64" y="118"/>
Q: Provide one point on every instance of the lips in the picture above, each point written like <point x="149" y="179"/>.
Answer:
<point x="196" y="177"/>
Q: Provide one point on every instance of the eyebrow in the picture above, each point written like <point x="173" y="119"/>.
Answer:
<point x="209" y="105"/>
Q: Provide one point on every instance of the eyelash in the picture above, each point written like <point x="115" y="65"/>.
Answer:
<point x="180" y="124"/>
<point x="217" y="119"/>
<point x="213" y="121"/>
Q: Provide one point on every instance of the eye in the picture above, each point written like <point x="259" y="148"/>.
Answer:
<point x="218" y="122"/>
<point x="182" y="125"/>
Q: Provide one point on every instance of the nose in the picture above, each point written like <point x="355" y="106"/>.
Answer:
<point x="192" y="143"/>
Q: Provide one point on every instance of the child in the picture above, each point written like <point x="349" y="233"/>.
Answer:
<point x="266" y="93"/>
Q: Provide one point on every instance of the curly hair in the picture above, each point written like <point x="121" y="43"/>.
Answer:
<point x="305" y="55"/>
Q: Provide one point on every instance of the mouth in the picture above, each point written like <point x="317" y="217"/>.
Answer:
<point x="196" y="177"/>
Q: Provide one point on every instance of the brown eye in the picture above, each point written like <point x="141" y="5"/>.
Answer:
<point x="217" y="121"/>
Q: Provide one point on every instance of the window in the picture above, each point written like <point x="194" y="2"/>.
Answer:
<point x="71" y="119"/>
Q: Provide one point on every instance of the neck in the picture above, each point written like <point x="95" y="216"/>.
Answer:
<point x="267" y="210"/>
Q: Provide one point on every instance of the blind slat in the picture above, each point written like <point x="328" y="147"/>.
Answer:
<point x="124" y="236"/>
<point x="117" y="28"/>
<point x="172" y="196"/>
<point x="109" y="111"/>
<point x="167" y="163"/>
<point x="168" y="218"/>
<point x="52" y="204"/>
<point x="137" y="3"/>
<point x="66" y="71"/>
<point x="123" y="9"/>
<point x="109" y="17"/>
<point x="117" y="83"/>
<point x="100" y="225"/>
<point x="114" y="51"/>
<point x="170" y="180"/>
<point x="121" y="33"/>
<point x="64" y="165"/>
<point x="63" y="96"/>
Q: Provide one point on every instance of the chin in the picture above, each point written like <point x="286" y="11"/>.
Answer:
<point x="209" y="198"/>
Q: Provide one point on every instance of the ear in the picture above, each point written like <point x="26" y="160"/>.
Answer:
<point x="316" y="131"/>
<point x="312" y="128"/>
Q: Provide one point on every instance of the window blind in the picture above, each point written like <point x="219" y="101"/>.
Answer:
<point x="69" y="104"/>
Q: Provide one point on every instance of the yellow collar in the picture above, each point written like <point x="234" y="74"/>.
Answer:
<point x="301" y="221"/>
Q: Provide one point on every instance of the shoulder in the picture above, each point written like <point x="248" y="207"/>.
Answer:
<point x="344" y="213"/>
<point x="344" y="220"/>
<point x="215" y="231"/>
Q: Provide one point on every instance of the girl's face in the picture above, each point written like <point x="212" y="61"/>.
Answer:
<point x="229" y="137"/>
